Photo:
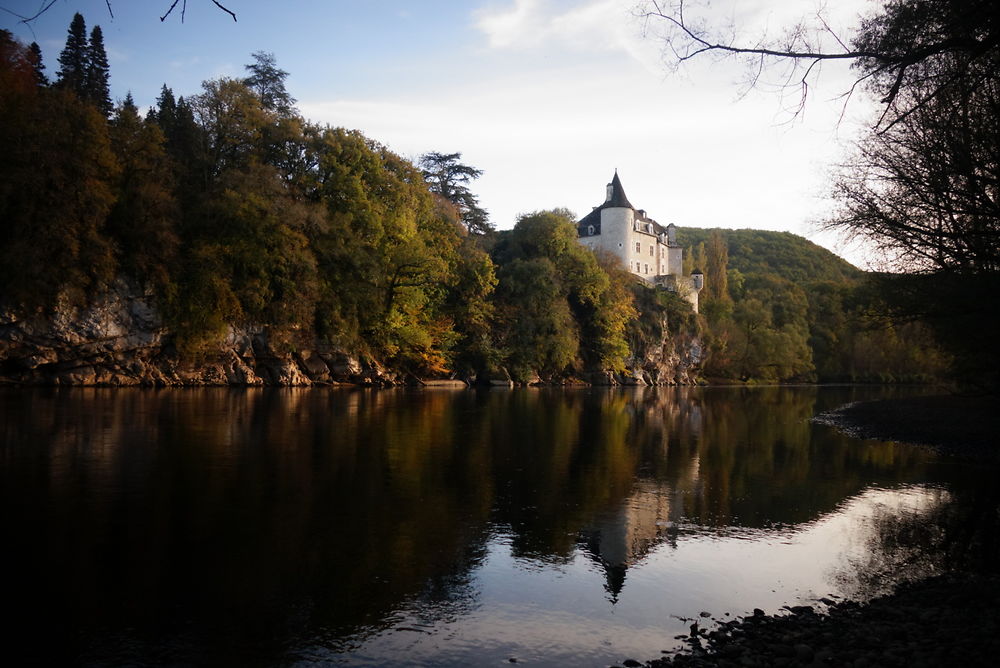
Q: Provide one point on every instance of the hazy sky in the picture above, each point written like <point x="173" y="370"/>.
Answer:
<point x="548" y="97"/>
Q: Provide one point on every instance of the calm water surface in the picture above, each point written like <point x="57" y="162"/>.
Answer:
<point x="581" y="527"/>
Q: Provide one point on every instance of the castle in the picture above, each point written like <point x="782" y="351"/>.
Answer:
<point x="648" y="249"/>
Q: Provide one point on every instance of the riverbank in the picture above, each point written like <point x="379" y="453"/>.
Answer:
<point x="947" y="620"/>
<point x="951" y="619"/>
<point x="968" y="426"/>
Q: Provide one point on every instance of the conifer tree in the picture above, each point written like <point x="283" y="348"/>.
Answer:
<point x="36" y="61"/>
<point x="73" y="60"/>
<point x="166" y="110"/>
<point x="448" y="177"/>
<point x="96" y="88"/>
<point x="268" y="81"/>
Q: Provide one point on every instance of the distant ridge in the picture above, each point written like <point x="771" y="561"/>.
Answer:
<point x="787" y="255"/>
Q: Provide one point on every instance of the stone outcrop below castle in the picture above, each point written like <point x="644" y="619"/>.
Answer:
<point x="120" y="340"/>
<point x="673" y="360"/>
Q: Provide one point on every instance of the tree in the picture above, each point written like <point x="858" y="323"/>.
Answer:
<point x="268" y="81"/>
<point x="558" y="306"/>
<point x="39" y="66"/>
<point x="449" y="178"/>
<point x="73" y="60"/>
<point x="233" y="120"/>
<point x="57" y="178"/>
<point x="145" y="217"/>
<point x="714" y="299"/>
<point x="539" y="331"/>
<point x="95" y="87"/>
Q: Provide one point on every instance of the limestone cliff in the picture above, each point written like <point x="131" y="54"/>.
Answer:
<point x="120" y="340"/>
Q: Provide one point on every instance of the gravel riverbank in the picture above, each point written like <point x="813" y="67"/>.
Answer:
<point x="948" y="620"/>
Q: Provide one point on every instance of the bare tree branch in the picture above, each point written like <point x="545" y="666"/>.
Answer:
<point x="686" y="40"/>
<point x="45" y="7"/>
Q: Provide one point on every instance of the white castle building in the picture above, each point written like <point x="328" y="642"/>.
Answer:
<point x="648" y="249"/>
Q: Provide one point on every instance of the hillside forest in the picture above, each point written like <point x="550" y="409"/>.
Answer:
<point x="227" y="208"/>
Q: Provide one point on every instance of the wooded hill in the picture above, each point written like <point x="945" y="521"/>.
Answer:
<point x="784" y="254"/>
<point x="777" y="307"/>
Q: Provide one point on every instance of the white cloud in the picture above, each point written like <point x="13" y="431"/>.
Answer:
<point x="594" y="26"/>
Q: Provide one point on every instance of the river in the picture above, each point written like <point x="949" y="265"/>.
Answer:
<point x="442" y="528"/>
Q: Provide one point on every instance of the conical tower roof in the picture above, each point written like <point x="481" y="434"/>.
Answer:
<point x="618" y="197"/>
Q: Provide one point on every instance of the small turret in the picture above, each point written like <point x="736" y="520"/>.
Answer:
<point x="697" y="279"/>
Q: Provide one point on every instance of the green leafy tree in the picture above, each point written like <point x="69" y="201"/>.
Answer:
<point x="471" y="307"/>
<point x="233" y="120"/>
<point x="57" y="178"/>
<point x="598" y="308"/>
<point x="386" y="252"/>
<point x="145" y="218"/>
<point x="537" y="326"/>
<point x="714" y="300"/>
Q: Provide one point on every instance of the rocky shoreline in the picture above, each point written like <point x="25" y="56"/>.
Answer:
<point x="950" y="619"/>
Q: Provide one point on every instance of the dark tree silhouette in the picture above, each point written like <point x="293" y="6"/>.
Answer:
<point x="39" y="66"/>
<point x="268" y="81"/>
<point x="449" y="178"/>
<point x="73" y="60"/>
<point x="96" y="86"/>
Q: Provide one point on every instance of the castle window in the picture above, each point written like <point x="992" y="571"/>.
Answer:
<point x="590" y="230"/>
<point x="638" y="246"/>
<point x="650" y="251"/>
<point x="647" y="268"/>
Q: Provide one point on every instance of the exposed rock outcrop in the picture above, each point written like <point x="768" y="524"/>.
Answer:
<point x="672" y="360"/>
<point x="120" y="340"/>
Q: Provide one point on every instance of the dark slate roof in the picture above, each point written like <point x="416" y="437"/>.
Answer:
<point x="592" y="218"/>
<point x="617" y="199"/>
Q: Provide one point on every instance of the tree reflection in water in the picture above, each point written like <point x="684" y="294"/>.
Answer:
<point x="277" y="525"/>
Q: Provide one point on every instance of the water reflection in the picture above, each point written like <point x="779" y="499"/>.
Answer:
<point x="268" y="526"/>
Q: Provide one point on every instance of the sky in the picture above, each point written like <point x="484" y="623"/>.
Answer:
<point x="547" y="97"/>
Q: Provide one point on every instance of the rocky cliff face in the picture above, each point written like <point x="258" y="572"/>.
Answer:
<point x="670" y="359"/>
<point x="674" y="360"/>
<point x="120" y="340"/>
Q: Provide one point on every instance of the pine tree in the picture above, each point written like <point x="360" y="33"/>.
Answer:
<point x="128" y="105"/>
<point x="74" y="59"/>
<point x="448" y="177"/>
<point x="268" y="81"/>
<point x="165" y="111"/>
<point x="96" y="88"/>
<point x="36" y="61"/>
